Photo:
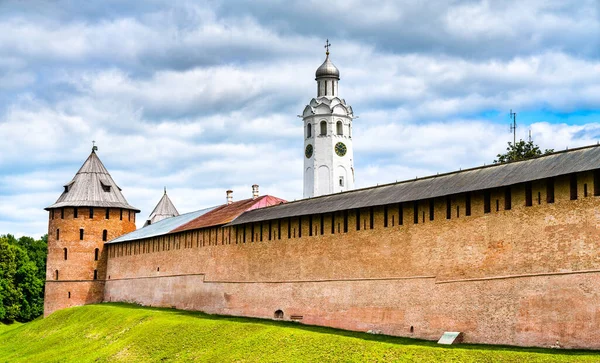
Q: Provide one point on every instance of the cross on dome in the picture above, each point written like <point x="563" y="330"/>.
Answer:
<point x="327" y="69"/>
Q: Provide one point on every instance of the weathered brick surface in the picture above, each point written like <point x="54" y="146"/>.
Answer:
<point x="535" y="311"/>
<point x="525" y="276"/>
<point x="76" y="273"/>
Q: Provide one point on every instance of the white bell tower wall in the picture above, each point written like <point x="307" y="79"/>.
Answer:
<point x="328" y="149"/>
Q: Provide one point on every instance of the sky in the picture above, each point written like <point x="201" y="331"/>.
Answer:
<point x="202" y="97"/>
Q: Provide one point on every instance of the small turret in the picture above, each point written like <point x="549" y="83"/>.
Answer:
<point x="163" y="210"/>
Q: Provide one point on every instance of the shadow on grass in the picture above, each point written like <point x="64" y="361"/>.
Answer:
<point x="352" y="334"/>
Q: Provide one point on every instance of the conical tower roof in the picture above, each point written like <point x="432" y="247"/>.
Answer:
<point x="163" y="210"/>
<point x="92" y="186"/>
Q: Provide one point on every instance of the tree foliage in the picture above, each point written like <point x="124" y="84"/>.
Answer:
<point x="22" y="276"/>
<point x="521" y="150"/>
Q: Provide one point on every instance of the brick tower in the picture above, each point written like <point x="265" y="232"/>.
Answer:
<point x="90" y="211"/>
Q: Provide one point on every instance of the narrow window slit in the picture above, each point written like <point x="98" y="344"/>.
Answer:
<point x="416" y="212"/>
<point x="573" y="186"/>
<point x="468" y="204"/>
<point x="385" y="216"/>
<point x="486" y="202"/>
<point x="550" y="190"/>
<point x="528" y="196"/>
<point x="431" y="209"/>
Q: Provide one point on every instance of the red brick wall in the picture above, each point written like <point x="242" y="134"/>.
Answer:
<point x="525" y="276"/>
<point x="76" y="273"/>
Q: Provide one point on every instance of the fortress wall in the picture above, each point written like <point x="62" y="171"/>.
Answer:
<point x="392" y="278"/>
<point x="530" y="311"/>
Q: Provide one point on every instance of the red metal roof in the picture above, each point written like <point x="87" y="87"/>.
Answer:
<point x="228" y="212"/>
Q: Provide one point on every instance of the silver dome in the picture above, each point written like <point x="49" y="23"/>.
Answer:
<point x="327" y="69"/>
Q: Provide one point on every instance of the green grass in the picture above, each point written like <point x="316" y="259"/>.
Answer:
<point x="7" y="327"/>
<point x="120" y="332"/>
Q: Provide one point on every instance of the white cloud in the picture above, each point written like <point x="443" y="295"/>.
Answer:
<point x="203" y="98"/>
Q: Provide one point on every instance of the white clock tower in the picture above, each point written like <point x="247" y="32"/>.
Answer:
<point x="328" y="154"/>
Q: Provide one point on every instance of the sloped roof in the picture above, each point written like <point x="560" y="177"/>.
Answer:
<point x="327" y="105"/>
<point x="486" y="177"/>
<point x="164" y="209"/>
<point x="92" y="186"/>
<point x="161" y="227"/>
<point x="228" y="212"/>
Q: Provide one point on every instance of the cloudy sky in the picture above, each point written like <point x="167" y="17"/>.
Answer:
<point x="203" y="97"/>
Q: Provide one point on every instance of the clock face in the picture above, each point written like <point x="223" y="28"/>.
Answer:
<point x="308" y="151"/>
<point x="340" y="149"/>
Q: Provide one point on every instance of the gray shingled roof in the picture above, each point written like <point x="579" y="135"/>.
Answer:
<point x="492" y="176"/>
<point x="162" y="227"/>
<point x="92" y="186"/>
<point x="164" y="209"/>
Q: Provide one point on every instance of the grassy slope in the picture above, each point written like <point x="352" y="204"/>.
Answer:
<point x="7" y="327"/>
<point x="119" y="332"/>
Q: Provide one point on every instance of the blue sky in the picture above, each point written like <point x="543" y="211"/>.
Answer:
<point x="202" y="97"/>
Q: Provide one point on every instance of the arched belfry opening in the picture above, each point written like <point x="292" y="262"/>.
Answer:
<point x="308" y="131"/>
<point x="340" y="128"/>
<point x="278" y="314"/>
<point x="323" y="128"/>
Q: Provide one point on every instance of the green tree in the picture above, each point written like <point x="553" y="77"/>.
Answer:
<point x="22" y="276"/>
<point x="520" y="151"/>
<point x="37" y="251"/>
<point x="30" y="288"/>
<point x="9" y="294"/>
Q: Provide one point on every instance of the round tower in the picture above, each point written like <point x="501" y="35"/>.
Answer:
<point x="328" y="151"/>
<point x="90" y="211"/>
